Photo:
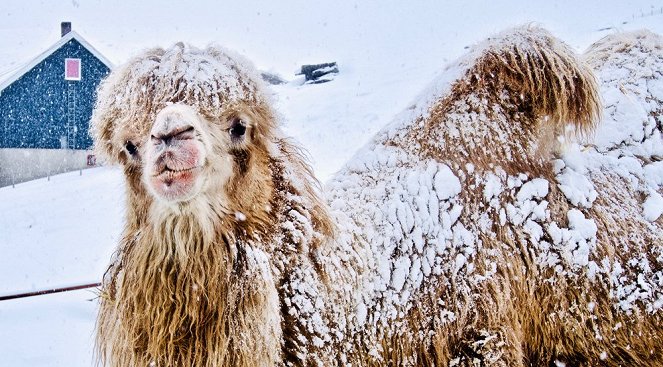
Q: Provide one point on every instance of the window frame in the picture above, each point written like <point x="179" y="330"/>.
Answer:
<point x="66" y="64"/>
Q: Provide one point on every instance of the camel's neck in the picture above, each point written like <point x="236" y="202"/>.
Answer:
<point x="182" y="299"/>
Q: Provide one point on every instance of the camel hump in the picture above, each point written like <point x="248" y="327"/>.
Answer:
<point x="509" y="101"/>
<point x="629" y="66"/>
<point x="623" y="45"/>
<point x="543" y="76"/>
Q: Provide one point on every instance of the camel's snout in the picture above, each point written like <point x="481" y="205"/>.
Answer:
<point x="173" y="123"/>
<point x="175" y="154"/>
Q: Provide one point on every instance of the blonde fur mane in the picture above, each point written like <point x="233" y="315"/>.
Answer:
<point x="190" y="284"/>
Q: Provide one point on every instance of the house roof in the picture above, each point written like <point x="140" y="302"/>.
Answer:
<point x="4" y="83"/>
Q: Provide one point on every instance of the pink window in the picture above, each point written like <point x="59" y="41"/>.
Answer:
<point x="72" y="69"/>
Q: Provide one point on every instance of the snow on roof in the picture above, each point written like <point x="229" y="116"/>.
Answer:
<point x="7" y="80"/>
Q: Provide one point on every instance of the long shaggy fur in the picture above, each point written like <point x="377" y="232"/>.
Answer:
<point x="182" y="290"/>
<point x="452" y="239"/>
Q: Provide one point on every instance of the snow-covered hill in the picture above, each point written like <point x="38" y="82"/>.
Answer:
<point x="62" y="231"/>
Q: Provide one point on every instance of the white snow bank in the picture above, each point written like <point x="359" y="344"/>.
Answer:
<point x="59" y="232"/>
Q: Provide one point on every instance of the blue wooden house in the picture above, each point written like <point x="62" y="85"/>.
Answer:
<point x="47" y="104"/>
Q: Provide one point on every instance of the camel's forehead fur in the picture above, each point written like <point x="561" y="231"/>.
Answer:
<point x="214" y="81"/>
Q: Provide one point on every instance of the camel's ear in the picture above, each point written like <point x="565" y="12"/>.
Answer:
<point x="107" y="122"/>
<point x="542" y="77"/>
<point x="121" y="105"/>
<point x="102" y="127"/>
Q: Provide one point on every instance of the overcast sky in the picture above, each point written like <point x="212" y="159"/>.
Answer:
<point x="395" y="30"/>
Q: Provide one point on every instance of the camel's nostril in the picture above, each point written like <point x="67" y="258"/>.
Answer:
<point x="190" y="130"/>
<point x="182" y="133"/>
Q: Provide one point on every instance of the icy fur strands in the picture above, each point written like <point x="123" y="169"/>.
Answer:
<point x="543" y="78"/>
<point x="455" y="238"/>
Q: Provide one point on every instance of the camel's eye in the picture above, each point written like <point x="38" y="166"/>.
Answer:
<point x="131" y="148"/>
<point x="237" y="129"/>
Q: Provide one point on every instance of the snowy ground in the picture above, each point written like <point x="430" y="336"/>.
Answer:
<point x="62" y="231"/>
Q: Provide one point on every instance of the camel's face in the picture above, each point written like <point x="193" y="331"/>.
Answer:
<point x="193" y="130"/>
<point x="186" y="155"/>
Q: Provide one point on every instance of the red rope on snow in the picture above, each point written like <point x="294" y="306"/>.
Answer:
<point x="49" y="291"/>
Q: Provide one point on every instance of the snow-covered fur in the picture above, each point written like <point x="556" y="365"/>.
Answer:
<point x="459" y="236"/>
<point x="482" y="239"/>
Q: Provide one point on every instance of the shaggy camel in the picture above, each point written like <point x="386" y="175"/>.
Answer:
<point x="457" y="237"/>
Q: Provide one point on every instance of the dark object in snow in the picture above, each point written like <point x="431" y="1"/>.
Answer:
<point x="319" y="73"/>
<point x="65" y="28"/>
<point x="271" y="78"/>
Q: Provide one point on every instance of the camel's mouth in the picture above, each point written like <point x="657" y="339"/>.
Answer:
<point x="167" y="171"/>
<point x="175" y="184"/>
<point x="176" y="154"/>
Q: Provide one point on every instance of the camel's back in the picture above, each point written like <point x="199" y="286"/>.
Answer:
<point x="463" y="219"/>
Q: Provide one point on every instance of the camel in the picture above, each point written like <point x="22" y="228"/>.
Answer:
<point x="461" y="235"/>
